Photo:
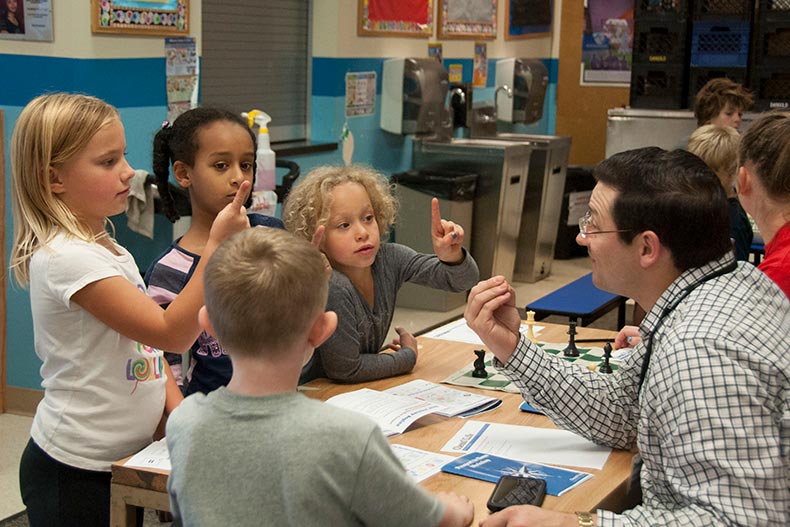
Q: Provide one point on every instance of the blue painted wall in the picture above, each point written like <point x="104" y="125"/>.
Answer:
<point x="137" y="88"/>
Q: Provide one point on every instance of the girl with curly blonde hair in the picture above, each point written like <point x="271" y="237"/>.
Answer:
<point x="345" y="211"/>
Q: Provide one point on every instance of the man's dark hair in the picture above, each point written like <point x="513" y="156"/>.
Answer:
<point x="673" y="194"/>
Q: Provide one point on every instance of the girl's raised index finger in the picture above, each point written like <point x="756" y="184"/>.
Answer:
<point x="241" y="195"/>
<point x="436" y="217"/>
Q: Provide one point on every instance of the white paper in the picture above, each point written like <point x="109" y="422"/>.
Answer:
<point x="459" y="331"/>
<point x="452" y="401"/>
<point x="527" y="443"/>
<point x="154" y="455"/>
<point x="393" y="413"/>
<point x="420" y="464"/>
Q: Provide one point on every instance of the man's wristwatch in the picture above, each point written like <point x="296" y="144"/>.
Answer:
<point x="585" y="519"/>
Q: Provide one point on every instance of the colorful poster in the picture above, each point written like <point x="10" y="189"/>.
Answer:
<point x="456" y="72"/>
<point x="182" y="72"/>
<point x="360" y="93"/>
<point x="26" y="20"/>
<point x="435" y="51"/>
<point x="480" y="73"/>
<point x="607" y="42"/>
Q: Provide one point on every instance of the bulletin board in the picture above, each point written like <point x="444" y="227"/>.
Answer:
<point x="141" y="17"/>
<point x="395" y="18"/>
<point x="527" y="18"/>
<point x="467" y="20"/>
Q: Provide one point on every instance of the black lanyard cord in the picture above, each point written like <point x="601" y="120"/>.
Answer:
<point x="669" y="309"/>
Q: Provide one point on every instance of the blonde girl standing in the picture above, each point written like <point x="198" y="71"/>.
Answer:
<point x="97" y="332"/>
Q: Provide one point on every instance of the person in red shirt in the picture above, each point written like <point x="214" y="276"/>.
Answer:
<point x="764" y="190"/>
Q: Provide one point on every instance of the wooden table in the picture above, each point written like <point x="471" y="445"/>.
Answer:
<point x="437" y="359"/>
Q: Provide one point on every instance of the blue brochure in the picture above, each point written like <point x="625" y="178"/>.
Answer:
<point x="526" y="407"/>
<point x="491" y="468"/>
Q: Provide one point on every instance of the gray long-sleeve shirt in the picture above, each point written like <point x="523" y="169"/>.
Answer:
<point x="351" y="354"/>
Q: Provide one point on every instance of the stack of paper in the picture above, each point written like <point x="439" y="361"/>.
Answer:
<point x="453" y="402"/>
<point x="394" y="410"/>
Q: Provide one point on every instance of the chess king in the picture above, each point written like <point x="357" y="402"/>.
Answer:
<point x="658" y="232"/>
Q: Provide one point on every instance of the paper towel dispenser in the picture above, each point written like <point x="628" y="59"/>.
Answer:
<point x="413" y="96"/>
<point x="528" y="78"/>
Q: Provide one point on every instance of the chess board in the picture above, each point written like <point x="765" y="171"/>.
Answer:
<point x="589" y="357"/>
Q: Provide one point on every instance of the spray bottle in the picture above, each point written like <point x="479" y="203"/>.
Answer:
<point x="264" y="199"/>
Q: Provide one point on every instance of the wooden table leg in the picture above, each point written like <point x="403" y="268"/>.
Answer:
<point x="125" y="500"/>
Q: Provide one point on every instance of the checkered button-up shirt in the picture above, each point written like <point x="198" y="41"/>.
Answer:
<point x="712" y="421"/>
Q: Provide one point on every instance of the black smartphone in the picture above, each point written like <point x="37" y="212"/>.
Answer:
<point x="516" y="490"/>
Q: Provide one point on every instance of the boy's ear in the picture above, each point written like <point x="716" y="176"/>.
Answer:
<point x="182" y="173"/>
<point x="205" y="323"/>
<point x="55" y="181"/>
<point x="322" y="328"/>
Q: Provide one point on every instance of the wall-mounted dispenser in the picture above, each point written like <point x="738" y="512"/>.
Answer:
<point x="413" y="97"/>
<point x="528" y="79"/>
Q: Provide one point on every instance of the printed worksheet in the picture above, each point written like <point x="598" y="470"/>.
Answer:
<point x="528" y="443"/>
<point x="154" y="455"/>
<point x="393" y="413"/>
<point x="420" y="464"/>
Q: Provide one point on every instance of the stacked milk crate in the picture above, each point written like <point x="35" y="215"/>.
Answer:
<point x="719" y="42"/>
<point x="659" y="69"/>
<point x="770" y="64"/>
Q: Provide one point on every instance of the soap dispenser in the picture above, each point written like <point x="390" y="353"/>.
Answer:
<point x="264" y="199"/>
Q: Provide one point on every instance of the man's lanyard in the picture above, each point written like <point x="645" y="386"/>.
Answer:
<point x="669" y="309"/>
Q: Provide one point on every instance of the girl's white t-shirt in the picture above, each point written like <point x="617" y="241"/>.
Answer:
<point x="103" y="393"/>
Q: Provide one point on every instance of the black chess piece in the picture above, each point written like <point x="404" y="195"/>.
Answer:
<point x="571" y="350"/>
<point x="605" y="367"/>
<point x="480" y="365"/>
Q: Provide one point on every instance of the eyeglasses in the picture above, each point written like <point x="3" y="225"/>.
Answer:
<point x="584" y="224"/>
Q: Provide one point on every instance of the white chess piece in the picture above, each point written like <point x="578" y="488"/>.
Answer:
<point x="530" y="324"/>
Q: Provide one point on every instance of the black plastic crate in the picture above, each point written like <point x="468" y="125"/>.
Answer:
<point x="771" y="87"/>
<point x="661" y="10"/>
<point x="772" y="44"/>
<point x="578" y="180"/>
<point x="720" y="44"/>
<point x="661" y="42"/>
<point x="774" y="11"/>
<point x="698" y="77"/>
<point x="658" y="86"/>
<point x="722" y="10"/>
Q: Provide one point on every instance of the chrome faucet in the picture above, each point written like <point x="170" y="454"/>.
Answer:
<point x="461" y="95"/>
<point x="505" y="88"/>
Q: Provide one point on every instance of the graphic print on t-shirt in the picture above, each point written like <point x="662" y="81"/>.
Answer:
<point x="149" y="366"/>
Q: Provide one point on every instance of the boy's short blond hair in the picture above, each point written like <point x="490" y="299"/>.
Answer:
<point x="263" y="289"/>
<point x="308" y="204"/>
<point x="718" y="147"/>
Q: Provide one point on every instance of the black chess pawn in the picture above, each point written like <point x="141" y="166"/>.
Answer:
<point x="480" y="365"/>
<point x="605" y="367"/>
<point x="571" y="350"/>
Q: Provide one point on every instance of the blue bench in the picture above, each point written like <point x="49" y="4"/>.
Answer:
<point x="579" y="300"/>
<point x="757" y="250"/>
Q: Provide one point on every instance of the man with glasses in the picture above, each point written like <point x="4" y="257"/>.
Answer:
<point x="704" y="393"/>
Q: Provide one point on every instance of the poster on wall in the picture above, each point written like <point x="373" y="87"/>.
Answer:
<point x="26" y="20"/>
<point x="607" y="42"/>
<point x="360" y="93"/>
<point x="480" y="71"/>
<point x="182" y="75"/>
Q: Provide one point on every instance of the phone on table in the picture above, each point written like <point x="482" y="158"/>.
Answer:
<point x="517" y="490"/>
